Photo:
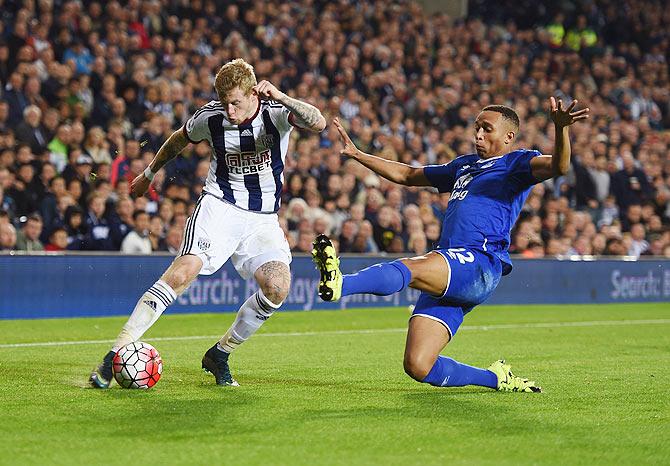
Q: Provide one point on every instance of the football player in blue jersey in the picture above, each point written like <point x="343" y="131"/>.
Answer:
<point x="487" y="189"/>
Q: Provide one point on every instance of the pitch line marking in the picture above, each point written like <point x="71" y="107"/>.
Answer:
<point x="588" y="323"/>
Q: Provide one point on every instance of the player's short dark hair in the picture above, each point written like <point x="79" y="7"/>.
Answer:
<point x="508" y="114"/>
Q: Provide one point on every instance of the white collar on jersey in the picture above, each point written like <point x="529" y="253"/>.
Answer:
<point x="489" y="160"/>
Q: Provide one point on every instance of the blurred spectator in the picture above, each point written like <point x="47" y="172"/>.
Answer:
<point x="122" y="222"/>
<point x="7" y="237"/>
<point x="7" y="202"/>
<point x="96" y="146"/>
<point x="581" y="36"/>
<point x="364" y="241"/>
<point x="638" y="244"/>
<point x="98" y="236"/>
<point x="172" y="240"/>
<point x="59" y="147"/>
<point x="76" y="227"/>
<point x="630" y="185"/>
<point x="556" y="30"/>
<point x="78" y="55"/>
<point x="156" y="231"/>
<point x="57" y="240"/>
<point x="15" y="97"/>
<point x="112" y="82"/>
<point x="348" y="236"/>
<point x="28" y="238"/>
<point x="24" y="190"/>
<point x="417" y="243"/>
<point x="30" y="130"/>
<point x="137" y="241"/>
<point x="80" y="169"/>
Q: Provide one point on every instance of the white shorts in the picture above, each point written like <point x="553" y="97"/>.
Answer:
<point x="218" y="231"/>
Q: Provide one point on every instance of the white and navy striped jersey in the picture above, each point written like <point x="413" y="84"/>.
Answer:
<point x="247" y="166"/>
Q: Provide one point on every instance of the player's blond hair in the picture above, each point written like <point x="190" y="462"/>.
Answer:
<point x="235" y="73"/>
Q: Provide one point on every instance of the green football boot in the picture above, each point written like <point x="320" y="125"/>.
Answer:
<point x="328" y="264"/>
<point x="508" y="382"/>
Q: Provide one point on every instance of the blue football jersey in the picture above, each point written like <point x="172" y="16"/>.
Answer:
<point x="486" y="198"/>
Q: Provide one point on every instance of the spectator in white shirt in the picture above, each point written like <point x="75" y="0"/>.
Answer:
<point x="137" y="241"/>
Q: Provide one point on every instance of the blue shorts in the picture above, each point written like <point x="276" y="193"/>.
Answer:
<point x="474" y="274"/>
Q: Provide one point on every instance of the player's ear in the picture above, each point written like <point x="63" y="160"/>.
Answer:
<point x="509" y="137"/>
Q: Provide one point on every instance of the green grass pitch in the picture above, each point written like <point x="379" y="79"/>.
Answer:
<point x="327" y="388"/>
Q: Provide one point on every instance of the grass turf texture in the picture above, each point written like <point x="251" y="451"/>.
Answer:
<point x="332" y="396"/>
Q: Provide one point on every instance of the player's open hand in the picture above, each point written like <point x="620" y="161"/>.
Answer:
<point x="267" y="91"/>
<point x="140" y="185"/>
<point x="349" y="149"/>
<point x="565" y="117"/>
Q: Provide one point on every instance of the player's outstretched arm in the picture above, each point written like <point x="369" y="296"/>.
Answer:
<point x="549" y="166"/>
<point x="393" y="171"/>
<point x="168" y="151"/>
<point x="306" y="116"/>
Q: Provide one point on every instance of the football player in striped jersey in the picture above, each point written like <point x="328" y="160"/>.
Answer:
<point x="248" y="129"/>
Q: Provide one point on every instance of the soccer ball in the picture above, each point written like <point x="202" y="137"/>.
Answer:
<point x="137" y="365"/>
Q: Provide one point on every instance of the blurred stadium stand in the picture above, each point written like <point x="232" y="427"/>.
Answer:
<point x="90" y="90"/>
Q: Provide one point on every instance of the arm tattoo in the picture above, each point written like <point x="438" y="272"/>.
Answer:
<point x="169" y="150"/>
<point x="306" y="115"/>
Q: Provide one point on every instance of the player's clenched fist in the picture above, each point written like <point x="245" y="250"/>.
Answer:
<point x="267" y="91"/>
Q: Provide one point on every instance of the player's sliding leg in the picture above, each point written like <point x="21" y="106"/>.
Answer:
<point x="425" y="339"/>
<point x="274" y="280"/>
<point x="438" y="313"/>
<point x="427" y="273"/>
<point x="148" y="309"/>
<point x="433" y="324"/>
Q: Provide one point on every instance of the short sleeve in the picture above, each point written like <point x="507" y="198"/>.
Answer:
<point x="281" y="117"/>
<point x="519" y="169"/>
<point x="442" y="177"/>
<point x="196" y="128"/>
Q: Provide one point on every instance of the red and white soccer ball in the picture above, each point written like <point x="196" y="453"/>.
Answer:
<point x="137" y="365"/>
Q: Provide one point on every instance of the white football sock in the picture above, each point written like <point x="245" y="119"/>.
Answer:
<point x="252" y="314"/>
<point x="147" y="310"/>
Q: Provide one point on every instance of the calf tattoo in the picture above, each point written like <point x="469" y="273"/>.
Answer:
<point x="274" y="279"/>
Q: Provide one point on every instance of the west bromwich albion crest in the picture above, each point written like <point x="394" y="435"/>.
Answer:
<point x="264" y="142"/>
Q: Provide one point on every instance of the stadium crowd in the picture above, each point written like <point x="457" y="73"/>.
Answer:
<point x="90" y="90"/>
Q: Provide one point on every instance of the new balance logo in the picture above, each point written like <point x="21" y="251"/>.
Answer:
<point x="247" y="132"/>
<point x="262" y="317"/>
<point x="151" y="304"/>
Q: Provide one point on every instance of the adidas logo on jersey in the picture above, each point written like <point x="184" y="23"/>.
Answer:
<point x="151" y="304"/>
<point x="247" y="132"/>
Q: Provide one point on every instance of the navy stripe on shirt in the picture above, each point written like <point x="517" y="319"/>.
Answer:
<point x="215" y="124"/>
<point x="275" y="151"/>
<point x="251" y="182"/>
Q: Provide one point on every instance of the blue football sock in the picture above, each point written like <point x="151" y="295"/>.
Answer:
<point x="380" y="279"/>
<point x="450" y="373"/>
